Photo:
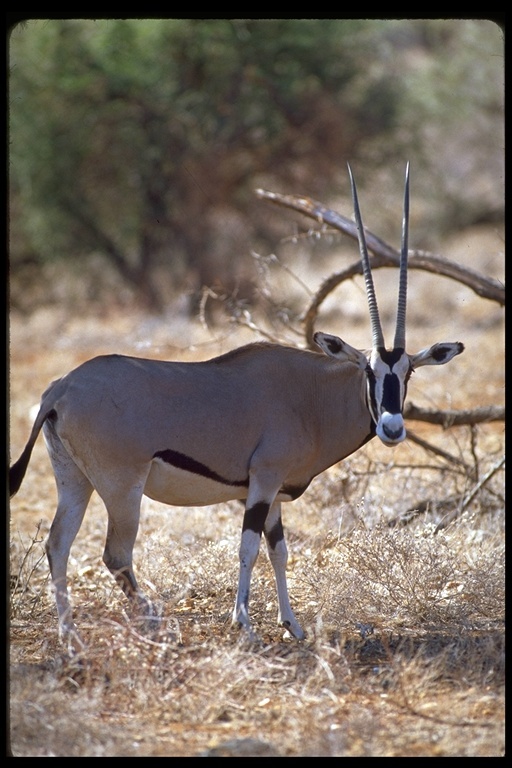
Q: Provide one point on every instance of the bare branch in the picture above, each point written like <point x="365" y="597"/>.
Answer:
<point x="427" y="505"/>
<point x="384" y="255"/>
<point x="452" y="418"/>
<point x="437" y="451"/>
<point x="471" y="495"/>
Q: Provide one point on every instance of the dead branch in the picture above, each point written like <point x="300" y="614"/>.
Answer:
<point x="453" y="418"/>
<point x="447" y="519"/>
<point x="437" y="451"/>
<point x="427" y="505"/>
<point x="453" y="506"/>
<point x="384" y="255"/>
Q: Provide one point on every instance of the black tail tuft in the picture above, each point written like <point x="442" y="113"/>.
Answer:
<point x="18" y="469"/>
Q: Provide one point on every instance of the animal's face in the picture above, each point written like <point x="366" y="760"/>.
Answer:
<point x="388" y="372"/>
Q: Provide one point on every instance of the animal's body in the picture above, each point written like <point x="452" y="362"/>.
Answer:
<point x="256" y="424"/>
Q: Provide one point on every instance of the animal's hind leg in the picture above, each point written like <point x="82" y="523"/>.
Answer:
<point x="74" y="491"/>
<point x="123" y="509"/>
<point x="278" y="554"/>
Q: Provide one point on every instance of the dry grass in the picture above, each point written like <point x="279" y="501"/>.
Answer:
<point x="405" y="648"/>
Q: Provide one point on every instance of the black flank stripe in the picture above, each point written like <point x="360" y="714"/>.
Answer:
<point x="181" y="461"/>
<point x="294" y="491"/>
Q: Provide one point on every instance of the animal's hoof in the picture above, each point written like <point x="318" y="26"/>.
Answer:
<point x="293" y="631"/>
<point x="71" y="640"/>
<point x="247" y="634"/>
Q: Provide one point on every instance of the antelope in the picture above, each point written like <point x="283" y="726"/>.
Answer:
<point x="256" y="424"/>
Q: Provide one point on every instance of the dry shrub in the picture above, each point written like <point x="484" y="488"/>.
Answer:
<point x="405" y="648"/>
<point x="418" y="577"/>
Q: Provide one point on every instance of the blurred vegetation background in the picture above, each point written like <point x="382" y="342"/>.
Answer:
<point x="135" y="145"/>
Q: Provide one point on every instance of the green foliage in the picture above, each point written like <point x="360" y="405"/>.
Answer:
<point x="129" y="138"/>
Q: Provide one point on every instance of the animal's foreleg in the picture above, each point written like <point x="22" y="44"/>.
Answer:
<point x="278" y="555"/>
<point x="254" y="521"/>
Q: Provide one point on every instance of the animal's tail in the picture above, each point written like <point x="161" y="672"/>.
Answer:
<point x="18" y="469"/>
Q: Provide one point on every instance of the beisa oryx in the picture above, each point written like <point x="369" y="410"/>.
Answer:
<point x="255" y="424"/>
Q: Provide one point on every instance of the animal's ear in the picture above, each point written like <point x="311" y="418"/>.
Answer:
<point x="437" y="354"/>
<point x="339" y="349"/>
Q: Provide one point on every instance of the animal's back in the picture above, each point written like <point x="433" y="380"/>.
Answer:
<point x="136" y="406"/>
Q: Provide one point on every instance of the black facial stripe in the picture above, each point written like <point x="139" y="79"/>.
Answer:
<point x="391" y="394"/>
<point x="391" y="356"/>
<point x="371" y="399"/>
<point x="181" y="461"/>
<point x="392" y="402"/>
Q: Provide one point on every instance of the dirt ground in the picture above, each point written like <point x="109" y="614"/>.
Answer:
<point x="404" y="654"/>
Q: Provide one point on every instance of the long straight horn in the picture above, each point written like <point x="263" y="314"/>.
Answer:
<point x="402" y="290"/>
<point x="377" y="335"/>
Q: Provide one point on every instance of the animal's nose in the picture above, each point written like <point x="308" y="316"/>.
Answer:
<point x="392" y="434"/>
<point x="390" y="428"/>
